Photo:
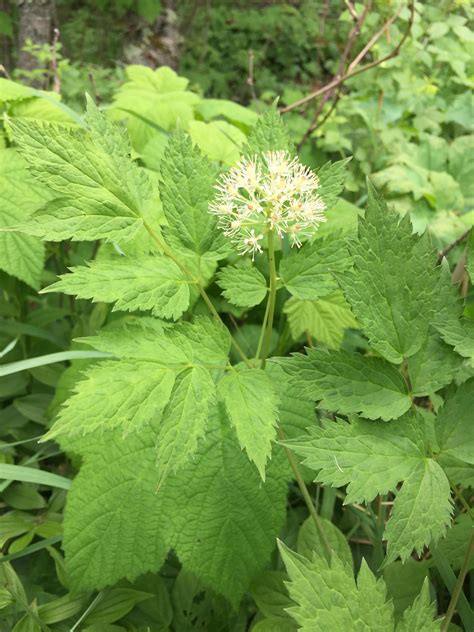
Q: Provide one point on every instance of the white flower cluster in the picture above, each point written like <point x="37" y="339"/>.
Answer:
<point x="268" y="192"/>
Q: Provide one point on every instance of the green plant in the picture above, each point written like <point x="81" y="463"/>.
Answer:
<point x="189" y="418"/>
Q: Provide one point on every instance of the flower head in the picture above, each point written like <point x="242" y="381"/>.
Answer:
<point x="268" y="192"/>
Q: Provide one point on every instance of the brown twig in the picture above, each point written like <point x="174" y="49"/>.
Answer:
<point x="453" y="244"/>
<point x="4" y="71"/>
<point x="337" y="81"/>
<point x="250" y="76"/>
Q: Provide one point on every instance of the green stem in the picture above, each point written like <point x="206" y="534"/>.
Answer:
<point x="169" y="253"/>
<point x="271" y="298"/>
<point x="458" y="587"/>
<point x="308" y="500"/>
<point x="264" y="324"/>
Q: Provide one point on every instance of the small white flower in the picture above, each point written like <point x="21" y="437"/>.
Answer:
<point x="272" y="191"/>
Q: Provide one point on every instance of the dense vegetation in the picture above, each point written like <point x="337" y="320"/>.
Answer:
<point x="236" y="317"/>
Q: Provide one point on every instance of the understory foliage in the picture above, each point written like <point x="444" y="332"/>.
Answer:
<point x="188" y="435"/>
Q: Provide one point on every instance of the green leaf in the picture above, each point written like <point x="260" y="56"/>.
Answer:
<point x="101" y="192"/>
<point x="433" y="366"/>
<point x="404" y="582"/>
<point x="426" y="492"/>
<point x="251" y="403"/>
<point x="185" y="418"/>
<point x="332" y="177"/>
<point x="50" y="358"/>
<point x="326" y="319"/>
<point x="148" y="283"/>
<point x="187" y="179"/>
<point x="20" y="255"/>
<point x="372" y="459"/>
<point x="420" y="616"/>
<point x="128" y="394"/>
<point x="115" y="604"/>
<point x="393" y="285"/>
<point x="309" y="543"/>
<point x="454" y="428"/>
<point x="349" y="383"/>
<point x="31" y="475"/>
<point x="307" y="273"/>
<point x="269" y="134"/>
<point x="244" y="286"/>
<point x="220" y="519"/>
<point x="327" y="597"/>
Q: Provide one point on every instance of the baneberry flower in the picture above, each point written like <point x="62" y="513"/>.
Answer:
<point x="272" y="191"/>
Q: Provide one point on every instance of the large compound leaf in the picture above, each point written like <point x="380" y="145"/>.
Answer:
<point x="220" y="518"/>
<point x="307" y="273"/>
<point x="371" y="459"/>
<point x="392" y="289"/>
<point x="148" y="283"/>
<point x="20" y="255"/>
<point x="251" y="403"/>
<point x="187" y="179"/>
<point x="100" y="192"/>
<point x="349" y="383"/>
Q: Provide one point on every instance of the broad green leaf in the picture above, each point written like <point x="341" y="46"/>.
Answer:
<point x="148" y="283"/>
<point x="326" y="318"/>
<point x="433" y="366"/>
<point x="426" y="492"/>
<point x="404" y="582"/>
<point x="454" y="545"/>
<point x="100" y="193"/>
<point x="185" y="418"/>
<point x="269" y="134"/>
<point x="187" y="179"/>
<point x="128" y="394"/>
<point x="233" y="112"/>
<point x="372" y="459"/>
<point x="251" y="403"/>
<point x="459" y="334"/>
<point x="392" y="288"/>
<point x="115" y="604"/>
<point x="244" y="286"/>
<point x="271" y="596"/>
<point x="218" y="140"/>
<point x="308" y="541"/>
<point x="420" y="616"/>
<point x="20" y="255"/>
<point x="454" y="427"/>
<point x="221" y="520"/>
<point x="349" y="383"/>
<point x="327" y="597"/>
<point x="307" y="273"/>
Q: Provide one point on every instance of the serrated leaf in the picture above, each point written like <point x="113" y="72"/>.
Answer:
<point x="20" y="255"/>
<point x="147" y="283"/>
<point x="420" y="616"/>
<point x="269" y="134"/>
<point x="243" y="286"/>
<point x="252" y="406"/>
<point x="426" y="492"/>
<point x="187" y="179"/>
<point x="128" y="394"/>
<point x="454" y="427"/>
<point x="220" y="519"/>
<point x="332" y="177"/>
<point x="349" y="383"/>
<point x="433" y="366"/>
<point x="328" y="598"/>
<point x="392" y="288"/>
<point x="372" y="459"/>
<point x="326" y="318"/>
<point x="307" y="273"/>
<point x="185" y="418"/>
<point x="100" y="193"/>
